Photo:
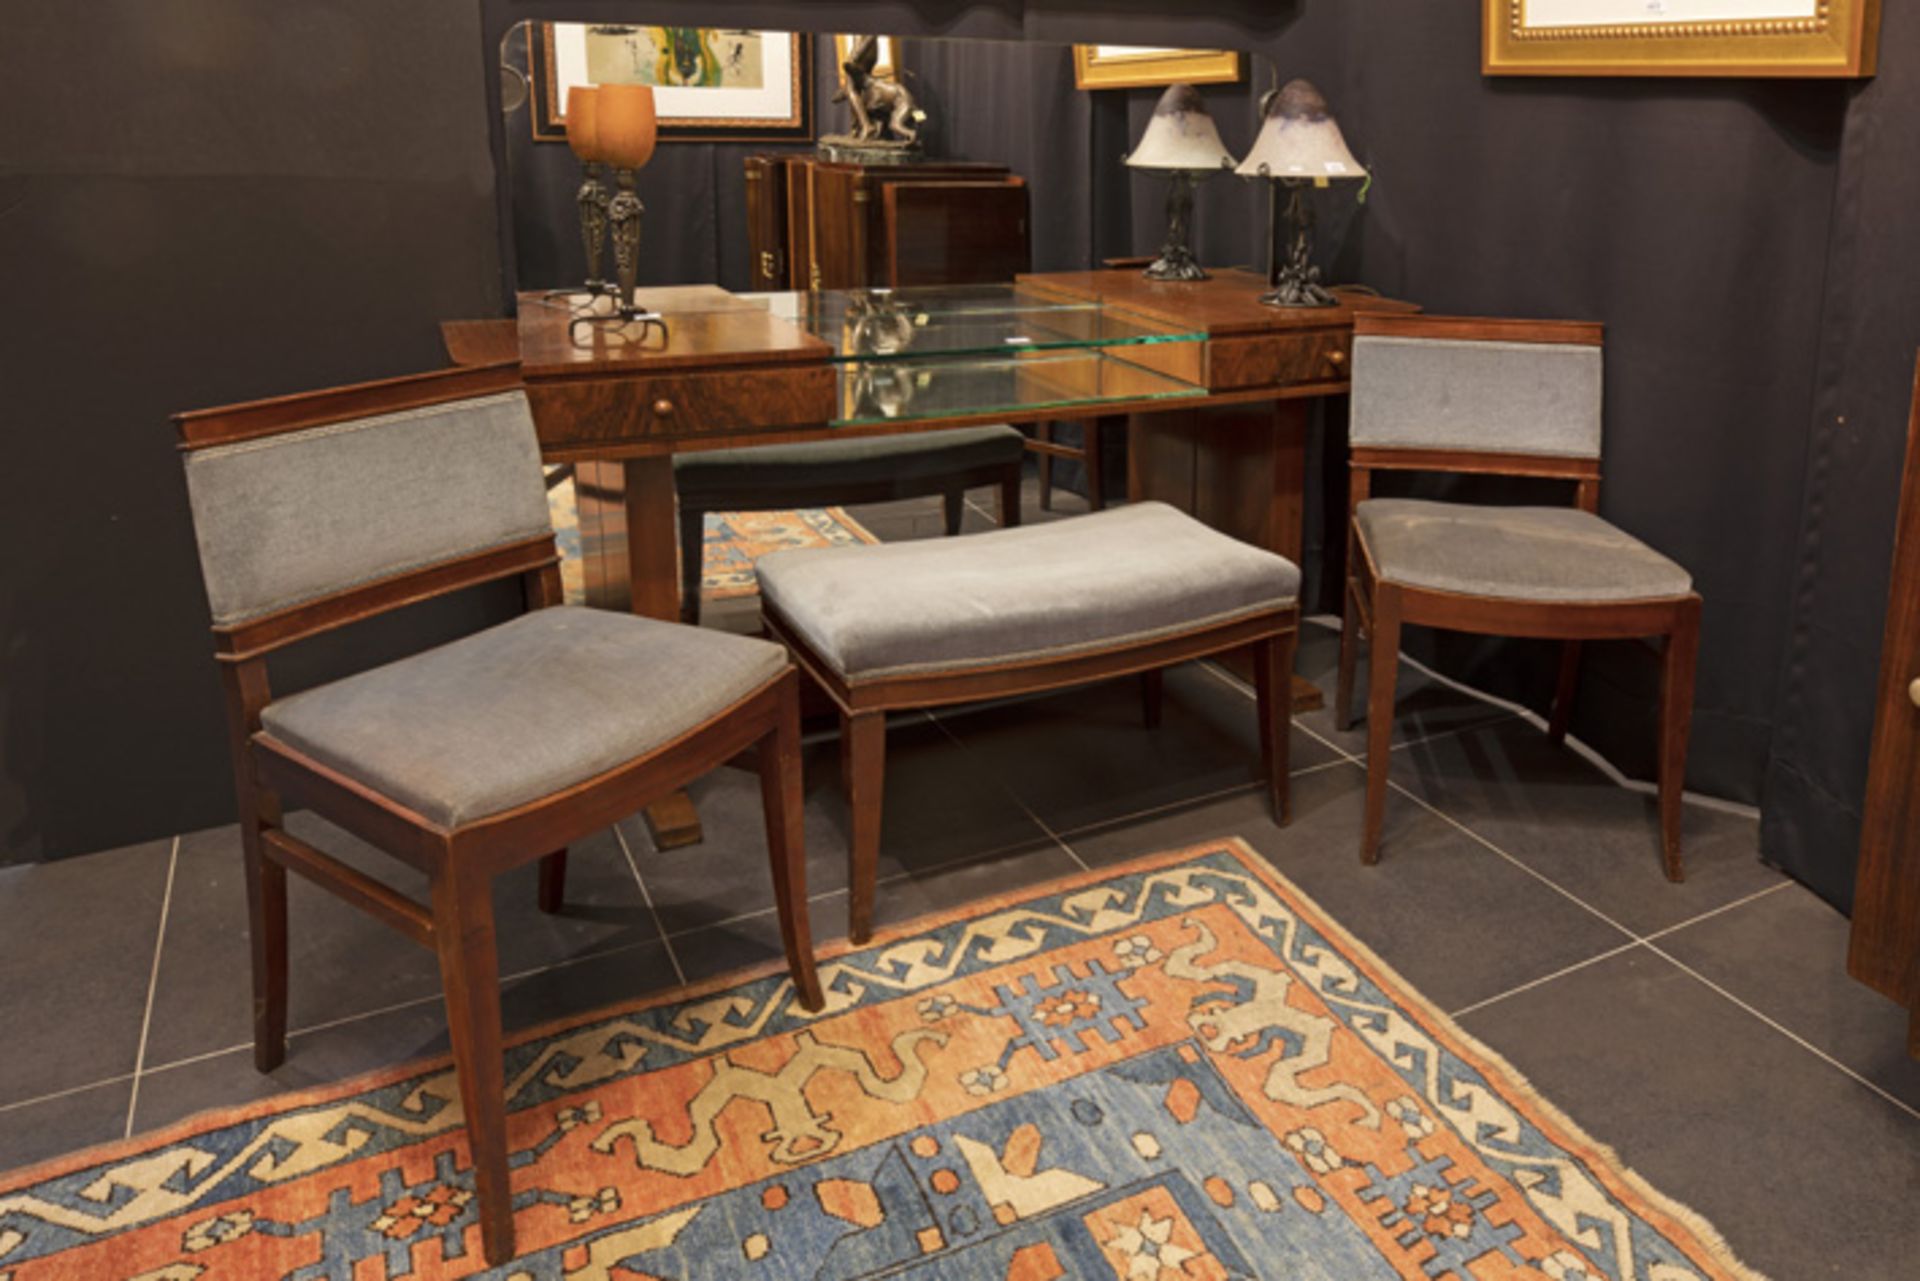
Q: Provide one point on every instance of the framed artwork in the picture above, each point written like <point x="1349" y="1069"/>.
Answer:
<point x="1680" y="37"/>
<point x="712" y="84"/>
<point x="1119" y="66"/>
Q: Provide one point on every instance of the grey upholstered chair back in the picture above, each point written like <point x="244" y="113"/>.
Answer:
<point x="285" y="519"/>
<point x="1476" y="394"/>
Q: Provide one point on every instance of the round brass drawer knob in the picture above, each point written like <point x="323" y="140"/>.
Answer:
<point x="1913" y="691"/>
<point x="1337" y="358"/>
<point x="663" y="408"/>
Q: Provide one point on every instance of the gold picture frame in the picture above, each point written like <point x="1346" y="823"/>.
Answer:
<point x="1105" y="66"/>
<point x="1810" y="38"/>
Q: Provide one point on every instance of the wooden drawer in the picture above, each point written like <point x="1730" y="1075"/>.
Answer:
<point x="1277" y="361"/>
<point x="602" y="411"/>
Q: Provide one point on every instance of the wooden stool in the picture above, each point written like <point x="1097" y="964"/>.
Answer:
<point x="941" y="621"/>
<point x="863" y="469"/>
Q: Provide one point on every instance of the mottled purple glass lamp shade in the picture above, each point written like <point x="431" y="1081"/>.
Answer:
<point x="1182" y="142"/>
<point x="1299" y="146"/>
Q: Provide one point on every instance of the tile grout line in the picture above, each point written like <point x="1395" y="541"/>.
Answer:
<point x="1456" y="824"/>
<point x="1562" y="972"/>
<point x="647" y="897"/>
<point x="64" y="1093"/>
<point x="153" y="986"/>
<point x="1624" y="947"/>
<point x="1783" y="1030"/>
<point x="1234" y="682"/>
<point x="1012" y="796"/>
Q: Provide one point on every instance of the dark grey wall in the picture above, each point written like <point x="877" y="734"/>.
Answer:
<point x="1870" y="325"/>
<point x="272" y="198"/>
<point x="201" y="201"/>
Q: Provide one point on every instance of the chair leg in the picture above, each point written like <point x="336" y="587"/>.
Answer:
<point x="1010" y="497"/>
<point x="693" y="561"/>
<point x="954" y="500"/>
<point x="470" y="972"/>
<point x="553" y="882"/>
<point x="1676" y="723"/>
<point x="1349" y="656"/>
<point x="1044" y="432"/>
<point x="1152" y="695"/>
<point x="863" y="745"/>
<point x="1090" y="451"/>
<point x="267" y="931"/>
<point x="1383" y="668"/>
<point x="1563" y="692"/>
<point x="782" y="797"/>
<point x="1273" y="703"/>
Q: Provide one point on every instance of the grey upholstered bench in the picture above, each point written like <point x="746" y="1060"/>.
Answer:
<point x="939" y="621"/>
<point x="864" y="469"/>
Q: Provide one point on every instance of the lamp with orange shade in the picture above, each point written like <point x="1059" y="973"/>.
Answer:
<point x="625" y="132"/>
<point x="583" y="137"/>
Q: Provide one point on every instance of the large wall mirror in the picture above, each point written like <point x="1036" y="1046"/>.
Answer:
<point x="1017" y="160"/>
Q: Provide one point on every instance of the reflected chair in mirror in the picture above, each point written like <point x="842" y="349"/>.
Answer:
<point x="463" y="761"/>
<point x="1503" y="398"/>
<point x="865" y="469"/>
<point x="936" y="622"/>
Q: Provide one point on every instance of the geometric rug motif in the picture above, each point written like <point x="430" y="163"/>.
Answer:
<point x="734" y="541"/>
<point x="1178" y="1069"/>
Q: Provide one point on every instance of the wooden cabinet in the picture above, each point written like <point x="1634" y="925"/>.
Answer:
<point x="853" y="226"/>
<point x="1885" y="949"/>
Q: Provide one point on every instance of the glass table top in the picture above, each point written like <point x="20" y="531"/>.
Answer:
<point x="961" y="320"/>
<point x="975" y="387"/>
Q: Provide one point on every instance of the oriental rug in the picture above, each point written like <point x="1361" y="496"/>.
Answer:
<point x="734" y="541"/>
<point x="1178" y="1069"/>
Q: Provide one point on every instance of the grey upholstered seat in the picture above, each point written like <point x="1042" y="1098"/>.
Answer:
<point x="522" y="710"/>
<point x="1518" y="553"/>
<point x="854" y="462"/>
<point x="1089" y="583"/>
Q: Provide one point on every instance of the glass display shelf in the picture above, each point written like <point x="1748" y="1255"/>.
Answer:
<point x="869" y="325"/>
<point x="878" y="391"/>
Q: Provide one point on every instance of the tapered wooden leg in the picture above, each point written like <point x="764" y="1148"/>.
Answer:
<point x="246" y="688"/>
<point x="553" y="882"/>
<point x="693" y="561"/>
<point x="1273" y="703"/>
<point x="470" y="972"/>
<point x="954" y="501"/>
<point x="1383" y="655"/>
<point x="864" y="752"/>
<point x="1010" y="498"/>
<point x="1676" y="723"/>
<point x="1563" y="692"/>
<point x="782" y="797"/>
<point x="1044" y="432"/>
<point x="1090" y="448"/>
<point x="1152" y="694"/>
<point x="267" y="932"/>
<point x="1349" y="655"/>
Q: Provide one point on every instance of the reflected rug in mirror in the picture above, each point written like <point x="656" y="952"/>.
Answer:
<point x="734" y="541"/>
<point x="1174" y="1069"/>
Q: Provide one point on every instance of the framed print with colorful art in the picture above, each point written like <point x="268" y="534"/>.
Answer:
<point x="712" y="84"/>
<point x="1119" y="66"/>
<point x="1680" y="37"/>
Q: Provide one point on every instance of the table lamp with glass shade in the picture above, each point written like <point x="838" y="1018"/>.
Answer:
<point x="1182" y="142"/>
<point x="1299" y="146"/>
<point x="624" y="136"/>
<point x="583" y="137"/>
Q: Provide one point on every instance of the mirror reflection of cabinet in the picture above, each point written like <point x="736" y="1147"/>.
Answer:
<point x="819" y="224"/>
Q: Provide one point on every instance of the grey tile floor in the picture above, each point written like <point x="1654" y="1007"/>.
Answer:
<point x="1708" y="1031"/>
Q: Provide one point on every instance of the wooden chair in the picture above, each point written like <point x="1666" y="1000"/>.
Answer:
<point x="1046" y="448"/>
<point x="936" y="622"/>
<point x="320" y="510"/>
<point x="1504" y="398"/>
